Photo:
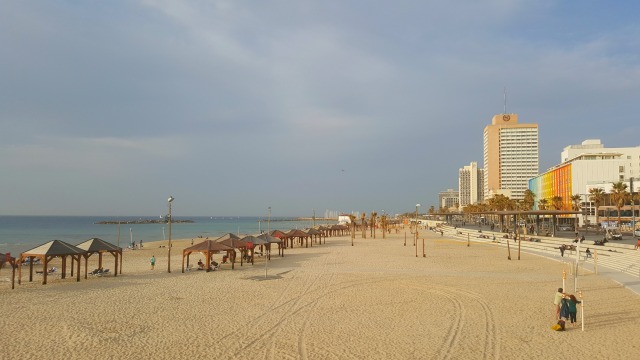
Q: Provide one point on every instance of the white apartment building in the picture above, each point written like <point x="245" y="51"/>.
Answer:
<point x="470" y="185"/>
<point x="448" y="199"/>
<point x="584" y="167"/>
<point x="629" y="156"/>
<point x="510" y="156"/>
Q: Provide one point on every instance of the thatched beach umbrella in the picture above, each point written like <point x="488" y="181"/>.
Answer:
<point x="207" y="247"/>
<point x="99" y="246"/>
<point x="46" y="252"/>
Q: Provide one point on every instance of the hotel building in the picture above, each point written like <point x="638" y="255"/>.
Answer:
<point x="510" y="156"/>
<point x="470" y="185"/>
<point x="584" y="167"/>
<point x="448" y="199"/>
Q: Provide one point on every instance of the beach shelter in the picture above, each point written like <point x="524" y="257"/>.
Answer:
<point x="99" y="246"/>
<point x="300" y="235"/>
<point x="234" y="242"/>
<point x="252" y="241"/>
<point x="315" y="235"/>
<point x="8" y="259"/>
<point x="47" y="252"/>
<point x="277" y="233"/>
<point x="207" y="247"/>
<point x="338" y="230"/>
<point x="272" y="240"/>
<point x="325" y="230"/>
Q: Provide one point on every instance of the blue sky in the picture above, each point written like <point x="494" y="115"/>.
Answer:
<point x="109" y="107"/>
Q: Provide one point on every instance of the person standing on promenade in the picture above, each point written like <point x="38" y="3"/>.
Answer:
<point x="557" y="302"/>
<point x="153" y="262"/>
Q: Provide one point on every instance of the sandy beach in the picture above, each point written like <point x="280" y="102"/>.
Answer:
<point x="374" y="300"/>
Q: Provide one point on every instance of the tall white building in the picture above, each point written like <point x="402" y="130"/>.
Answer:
<point x="510" y="156"/>
<point x="593" y="148"/>
<point x="470" y="184"/>
<point x="584" y="167"/>
<point x="448" y="199"/>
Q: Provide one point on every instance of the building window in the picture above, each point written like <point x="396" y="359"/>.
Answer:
<point x="621" y="169"/>
<point x="621" y="177"/>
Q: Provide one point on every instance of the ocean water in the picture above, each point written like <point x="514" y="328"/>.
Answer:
<point x="21" y="233"/>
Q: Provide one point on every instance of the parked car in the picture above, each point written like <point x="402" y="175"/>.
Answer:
<point x="636" y="232"/>
<point x="565" y="228"/>
<point x="613" y="234"/>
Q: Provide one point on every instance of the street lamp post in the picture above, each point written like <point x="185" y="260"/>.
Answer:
<point x="169" y="200"/>
<point x="269" y="222"/>
<point x="415" y="243"/>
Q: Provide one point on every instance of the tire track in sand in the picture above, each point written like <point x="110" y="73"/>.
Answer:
<point x="490" y="342"/>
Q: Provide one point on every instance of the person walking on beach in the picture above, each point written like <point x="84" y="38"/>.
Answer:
<point x="557" y="302"/>
<point x="573" y="310"/>
<point x="153" y="262"/>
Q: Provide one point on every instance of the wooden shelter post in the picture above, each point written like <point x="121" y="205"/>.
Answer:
<point x="78" y="272"/>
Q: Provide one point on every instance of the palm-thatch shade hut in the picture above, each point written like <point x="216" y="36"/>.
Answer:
<point x="277" y="233"/>
<point x="337" y="230"/>
<point x="7" y="258"/>
<point x="272" y="240"/>
<point x="234" y="242"/>
<point x="252" y="241"/>
<point x="316" y="235"/>
<point x="208" y="248"/>
<point x="99" y="246"/>
<point x="48" y="251"/>
<point x="300" y="235"/>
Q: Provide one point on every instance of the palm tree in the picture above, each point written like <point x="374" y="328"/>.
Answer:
<point x="528" y="201"/>
<point x="620" y="196"/>
<point x="575" y="201"/>
<point x="542" y="204"/>
<point x="556" y="202"/>
<point x="374" y="215"/>
<point x="596" y="195"/>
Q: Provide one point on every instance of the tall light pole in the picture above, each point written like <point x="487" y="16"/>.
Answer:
<point x="416" y="242"/>
<point x="633" y="207"/>
<point x="269" y="222"/>
<point x="169" y="200"/>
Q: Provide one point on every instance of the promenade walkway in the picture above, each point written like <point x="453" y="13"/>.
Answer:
<point x="618" y="261"/>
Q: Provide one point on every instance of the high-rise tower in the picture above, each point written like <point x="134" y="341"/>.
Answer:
<point x="510" y="156"/>
<point x="470" y="184"/>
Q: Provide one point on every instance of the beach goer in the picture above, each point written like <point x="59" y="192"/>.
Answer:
<point x="153" y="262"/>
<point x="561" y="250"/>
<point x="557" y="300"/>
<point x="564" y="308"/>
<point x="573" y="309"/>
<point x="140" y="244"/>
<point x="200" y="265"/>
<point x="638" y="244"/>
<point x="587" y="254"/>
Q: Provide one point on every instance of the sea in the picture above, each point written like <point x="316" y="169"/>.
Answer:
<point x="22" y="233"/>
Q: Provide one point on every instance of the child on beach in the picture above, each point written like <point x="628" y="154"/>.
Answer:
<point x="153" y="262"/>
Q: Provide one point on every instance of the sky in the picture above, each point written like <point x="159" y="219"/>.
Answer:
<point x="232" y="107"/>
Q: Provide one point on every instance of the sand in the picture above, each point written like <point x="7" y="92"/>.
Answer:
<point x="374" y="300"/>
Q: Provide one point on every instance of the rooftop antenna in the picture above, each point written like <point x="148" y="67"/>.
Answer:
<point x="505" y="100"/>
